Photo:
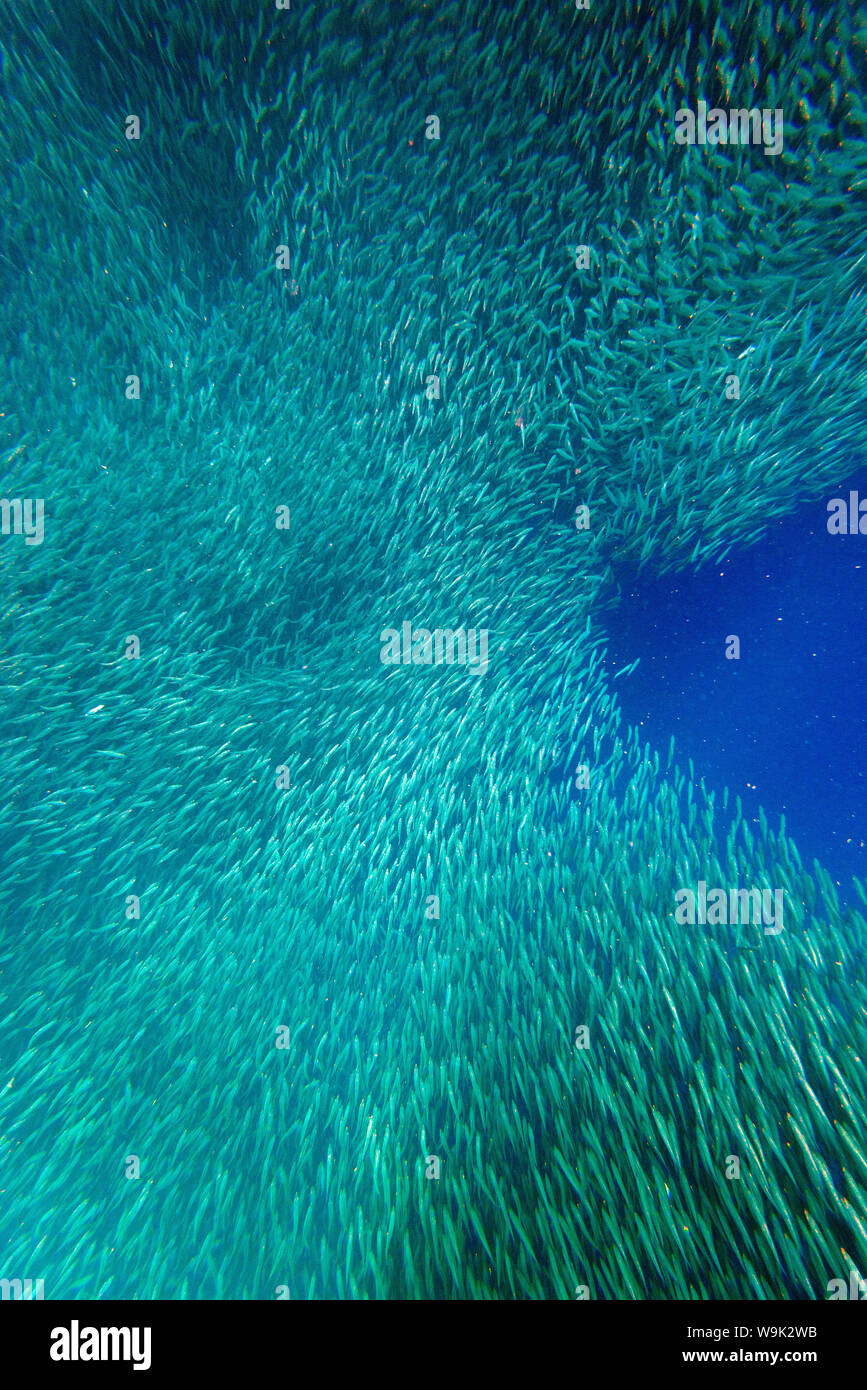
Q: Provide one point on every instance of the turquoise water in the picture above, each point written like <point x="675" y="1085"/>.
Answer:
<point x="280" y="923"/>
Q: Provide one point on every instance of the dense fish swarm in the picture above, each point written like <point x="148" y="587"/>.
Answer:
<point x="303" y="899"/>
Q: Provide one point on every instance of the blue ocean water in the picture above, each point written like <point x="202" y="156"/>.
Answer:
<point x="784" y="727"/>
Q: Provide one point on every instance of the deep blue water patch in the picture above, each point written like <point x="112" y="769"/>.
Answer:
<point x="784" y="727"/>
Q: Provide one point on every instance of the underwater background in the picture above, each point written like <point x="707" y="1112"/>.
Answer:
<point x="327" y="978"/>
